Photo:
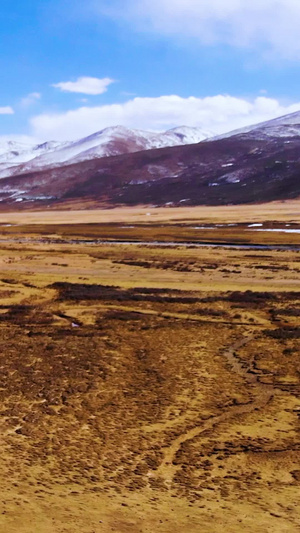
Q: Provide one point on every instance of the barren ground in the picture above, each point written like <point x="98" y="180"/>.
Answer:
<point x="146" y="388"/>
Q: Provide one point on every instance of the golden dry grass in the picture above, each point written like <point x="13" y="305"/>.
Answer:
<point x="281" y="211"/>
<point x="147" y="389"/>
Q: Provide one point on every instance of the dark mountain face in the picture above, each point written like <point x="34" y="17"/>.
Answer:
<point x="237" y="169"/>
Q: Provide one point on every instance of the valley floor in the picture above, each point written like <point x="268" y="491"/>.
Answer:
<point x="144" y="388"/>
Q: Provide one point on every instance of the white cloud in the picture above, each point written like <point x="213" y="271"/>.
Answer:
<point x="218" y="114"/>
<point x="273" y="24"/>
<point x="30" y="99"/>
<point x="85" y="85"/>
<point x="6" y="110"/>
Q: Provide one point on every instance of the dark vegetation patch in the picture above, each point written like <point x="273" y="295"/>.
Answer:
<point x="6" y="293"/>
<point x="284" y="333"/>
<point x="251" y="297"/>
<point x="210" y="312"/>
<point x="25" y="315"/>
<point x="86" y="332"/>
<point x="256" y="256"/>
<point x="287" y="312"/>
<point x="16" y="313"/>
<point x="120" y="315"/>
<point x="240" y="297"/>
<point x="178" y="266"/>
<point x="82" y="291"/>
<point x="271" y="267"/>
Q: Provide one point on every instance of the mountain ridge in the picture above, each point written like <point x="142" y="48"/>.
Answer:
<point x="283" y="126"/>
<point x="17" y="158"/>
<point x="254" y="166"/>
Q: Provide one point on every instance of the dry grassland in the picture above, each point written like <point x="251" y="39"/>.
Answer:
<point x="85" y="212"/>
<point x="147" y="389"/>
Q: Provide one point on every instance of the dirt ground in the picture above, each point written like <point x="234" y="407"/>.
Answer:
<point x="148" y="389"/>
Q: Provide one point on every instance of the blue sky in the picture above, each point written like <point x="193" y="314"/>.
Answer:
<point x="151" y="64"/>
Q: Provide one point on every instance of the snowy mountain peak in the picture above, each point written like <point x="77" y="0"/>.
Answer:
<point x="46" y="146"/>
<point x="19" y="158"/>
<point x="191" y="135"/>
<point x="13" y="146"/>
<point x="106" y="132"/>
<point x="114" y="140"/>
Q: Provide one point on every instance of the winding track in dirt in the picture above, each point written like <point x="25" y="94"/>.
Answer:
<point x="263" y="392"/>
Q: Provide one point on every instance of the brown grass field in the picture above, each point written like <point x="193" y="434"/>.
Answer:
<point x="149" y="389"/>
<point x="85" y="212"/>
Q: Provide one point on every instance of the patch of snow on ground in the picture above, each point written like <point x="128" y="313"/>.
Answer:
<point x="280" y="230"/>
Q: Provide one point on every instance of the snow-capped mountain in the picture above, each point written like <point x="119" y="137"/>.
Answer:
<point x="286" y="126"/>
<point x="121" y="166"/>
<point x="18" y="158"/>
<point x="14" y="154"/>
<point x="18" y="152"/>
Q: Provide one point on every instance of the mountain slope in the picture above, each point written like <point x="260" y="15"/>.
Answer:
<point x="16" y="158"/>
<point x="226" y="171"/>
<point x="255" y="166"/>
<point x="282" y="127"/>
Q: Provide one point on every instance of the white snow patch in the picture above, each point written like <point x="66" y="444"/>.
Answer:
<point x="254" y="225"/>
<point x="280" y="230"/>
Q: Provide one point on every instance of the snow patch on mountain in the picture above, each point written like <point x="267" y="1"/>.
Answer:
<point x="17" y="158"/>
<point x="281" y="127"/>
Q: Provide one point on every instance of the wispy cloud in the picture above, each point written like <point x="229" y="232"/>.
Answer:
<point x="30" y="99"/>
<point x="217" y="114"/>
<point x="269" y="24"/>
<point x="6" y="110"/>
<point x="85" y="85"/>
